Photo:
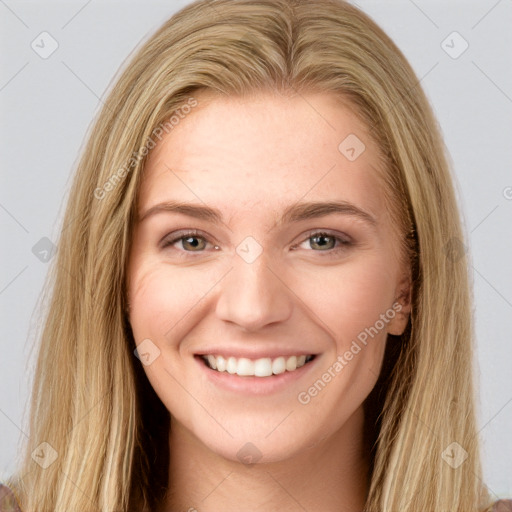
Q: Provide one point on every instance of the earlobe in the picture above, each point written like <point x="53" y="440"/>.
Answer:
<point x="399" y="323"/>
<point x="402" y="307"/>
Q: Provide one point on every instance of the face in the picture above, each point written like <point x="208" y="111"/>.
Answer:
<point x="263" y="244"/>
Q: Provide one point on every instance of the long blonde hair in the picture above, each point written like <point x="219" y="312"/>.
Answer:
<point x="91" y="401"/>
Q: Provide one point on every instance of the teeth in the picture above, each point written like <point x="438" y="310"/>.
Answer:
<point x="231" y="366"/>
<point x="291" y="364"/>
<point x="212" y="362"/>
<point x="245" y="366"/>
<point x="264" y="367"/>
<point x="220" y="362"/>
<point x="278" y="365"/>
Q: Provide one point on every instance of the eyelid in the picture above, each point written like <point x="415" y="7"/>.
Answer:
<point x="344" y="241"/>
<point x="328" y="232"/>
<point x="171" y="238"/>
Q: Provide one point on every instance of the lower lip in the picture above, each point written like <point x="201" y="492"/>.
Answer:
<point x="252" y="384"/>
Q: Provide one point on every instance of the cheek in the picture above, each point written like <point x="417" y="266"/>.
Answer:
<point x="348" y="298"/>
<point x="158" y="299"/>
<point x="148" y="298"/>
<point x="165" y="299"/>
<point x="351" y="304"/>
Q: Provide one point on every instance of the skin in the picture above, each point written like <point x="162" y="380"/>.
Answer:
<point x="251" y="158"/>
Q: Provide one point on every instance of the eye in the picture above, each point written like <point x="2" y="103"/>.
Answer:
<point x="191" y="241"/>
<point x="326" y="242"/>
<point x="321" y="241"/>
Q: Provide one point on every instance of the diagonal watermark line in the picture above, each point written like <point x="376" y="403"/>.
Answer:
<point x="17" y="426"/>
<point x="14" y="14"/>
<point x="485" y="15"/>
<point x="313" y="107"/>
<point x="68" y="223"/>
<point x="425" y="14"/>
<point x="280" y="423"/>
<point x="289" y="85"/>
<point x="405" y="418"/>
<point x="304" y="304"/>
<point x="492" y="211"/>
<point x="213" y="7"/>
<point x="9" y="496"/>
<point x="218" y="485"/>
<point x="76" y="14"/>
<point x="13" y="279"/>
<point x="310" y="189"/>
<point x="285" y="490"/>
<point x="502" y="296"/>
<point x="420" y="420"/>
<point x="13" y="218"/>
<point x="70" y="274"/>
<point x="191" y="308"/>
<point x="492" y="81"/>
<point x="14" y="76"/>
<point x="487" y="423"/>
<point x="372" y="128"/>
<point x="19" y="478"/>
<point x="77" y="487"/>
<point x="169" y="169"/>
<point x="199" y="403"/>
<point x="314" y="185"/>
<point x="418" y="81"/>
<point x="92" y="408"/>
<point x="81" y="81"/>
<point x="484" y="484"/>
<point x="98" y="97"/>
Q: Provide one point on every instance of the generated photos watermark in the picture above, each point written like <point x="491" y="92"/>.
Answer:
<point x="163" y="128"/>
<point x="305" y="397"/>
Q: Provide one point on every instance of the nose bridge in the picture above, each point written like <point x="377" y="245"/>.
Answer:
<point x="252" y="295"/>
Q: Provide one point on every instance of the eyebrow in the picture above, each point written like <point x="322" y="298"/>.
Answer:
<point x="294" y="213"/>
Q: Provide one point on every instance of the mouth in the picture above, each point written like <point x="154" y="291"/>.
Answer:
<point x="263" y="367"/>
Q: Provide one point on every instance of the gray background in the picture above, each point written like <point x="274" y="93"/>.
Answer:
<point x="48" y="103"/>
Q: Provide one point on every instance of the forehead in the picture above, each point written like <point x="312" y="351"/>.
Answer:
<point x="263" y="152"/>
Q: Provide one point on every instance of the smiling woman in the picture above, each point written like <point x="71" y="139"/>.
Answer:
<point x="313" y="276"/>
<point x="266" y="309"/>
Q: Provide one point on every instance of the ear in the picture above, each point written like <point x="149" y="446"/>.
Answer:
<point x="401" y="305"/>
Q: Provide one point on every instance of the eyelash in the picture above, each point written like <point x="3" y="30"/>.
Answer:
<point x="343" y="244"/>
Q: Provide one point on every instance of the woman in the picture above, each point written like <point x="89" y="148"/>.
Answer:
<point x="259" y="302"/>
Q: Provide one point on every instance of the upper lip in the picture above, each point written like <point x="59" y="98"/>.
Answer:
<point x="254" y="353"/>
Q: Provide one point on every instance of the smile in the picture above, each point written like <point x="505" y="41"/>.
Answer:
<point x="263" y="367"/>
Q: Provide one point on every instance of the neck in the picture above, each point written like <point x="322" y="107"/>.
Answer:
<point x="329" y="476"/>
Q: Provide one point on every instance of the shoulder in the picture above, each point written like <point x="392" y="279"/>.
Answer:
<point x="502" y="506"/>
<point x="8" y="501"/>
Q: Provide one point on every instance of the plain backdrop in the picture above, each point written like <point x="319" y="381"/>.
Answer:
<point x="461" y="53"/>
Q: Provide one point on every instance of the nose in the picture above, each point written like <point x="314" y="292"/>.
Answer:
<point x="253" y="296"/>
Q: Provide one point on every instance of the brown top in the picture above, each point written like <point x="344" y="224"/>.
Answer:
<point x="500" y="506"/>
<point x="8" y="502"/>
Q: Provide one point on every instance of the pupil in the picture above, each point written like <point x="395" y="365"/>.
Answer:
<point x="188" y="241"/>
<point x="321" y="237"/>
